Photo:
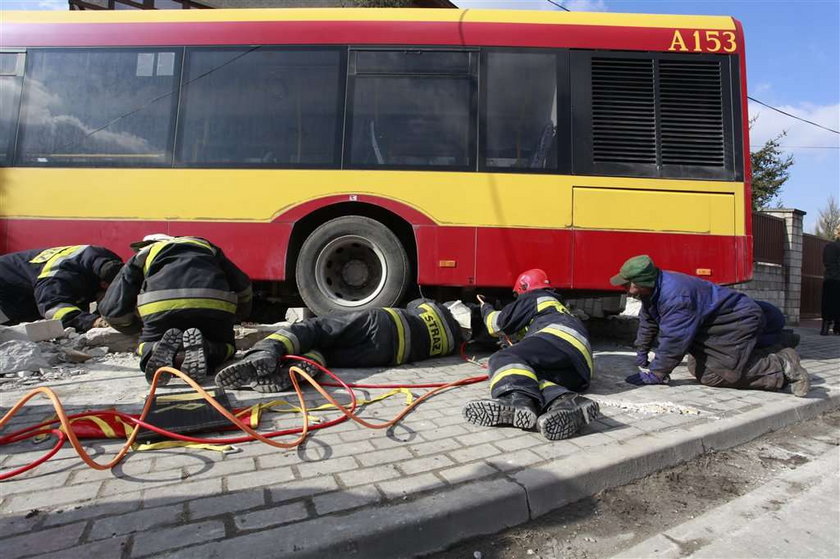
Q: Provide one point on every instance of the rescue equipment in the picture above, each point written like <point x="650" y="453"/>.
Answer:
<point x="129" y="426"/>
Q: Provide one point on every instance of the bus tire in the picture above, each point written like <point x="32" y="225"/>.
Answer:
<point x="351" y="263"/>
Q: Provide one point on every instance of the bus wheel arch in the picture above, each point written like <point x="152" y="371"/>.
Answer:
<point x="350" y="257"/>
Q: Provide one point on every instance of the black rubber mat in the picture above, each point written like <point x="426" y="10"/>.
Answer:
<point x="185" y="412"/>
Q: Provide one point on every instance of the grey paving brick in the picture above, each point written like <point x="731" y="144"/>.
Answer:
<point x="449" y="431"/>
<point x="278" y="458"/>
<point x="36" y="480"/>
<point x="384" y="456"/>
<point x="160" y="540"/>
<point x="368" y="475"/>
<point x="104" y="549"/>
<point x="399" y="440"/>
<point x="310" y="469"/>
<point x="426" y="464"/>
<point x="346" y="499"/>
<point x="485" y="435"/>
<point x="515" y="460"/>
<point x="16" y="524"/>
<point x="434" y="447"/>
<point x="467" y="472"/>
<point x="409" y="485"/>
<point x="167" y="495"/>
<point x="260" y="478"/>
<point x="447" y="420"/>
<point x="93" y="509"/>
<point x="42" y="541"/>
<point x="221" y="468"/>
<point x="303" y="488"/>
<point x="231" y="502"/>
<point x="48" y="499"/>
<point x="472" y="453"/>
<point x="172" y="459"/>
<point x="117" y="486"/>
<point x="273" y="516"/>
<point x="136" y="521"/>
<point x="556" y="450"/>
<point x="517" y="442"/>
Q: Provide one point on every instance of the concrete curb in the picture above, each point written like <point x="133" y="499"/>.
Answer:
<point x="433" y="522"/>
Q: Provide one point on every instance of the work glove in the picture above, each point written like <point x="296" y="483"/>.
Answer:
<point x="644" y="376"/>
<point x="642" y="359"/>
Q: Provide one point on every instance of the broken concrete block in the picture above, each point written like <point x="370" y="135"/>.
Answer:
<point x="20" y="355"/>
<point x="8" y="333"/>
<point x="297" y="314"/>
<point x="115" y="341"/>
<point x="44" y="330"/>
<point x="247" y="336"/>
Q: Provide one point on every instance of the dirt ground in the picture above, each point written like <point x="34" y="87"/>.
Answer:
<point x="619" y="518"/>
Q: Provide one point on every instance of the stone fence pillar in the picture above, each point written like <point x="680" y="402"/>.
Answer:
<point x="793" y="260"/>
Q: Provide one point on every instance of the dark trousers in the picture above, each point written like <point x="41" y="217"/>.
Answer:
<point x="536" y="366"/>
<point x="830" y="300"/>
<point x="725" y="355"/>
<point x="359" y="339"/>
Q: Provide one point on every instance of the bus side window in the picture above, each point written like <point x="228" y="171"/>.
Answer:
<point x="99" y="107"/>
<point x="412" y="109"/>
<point x="11" y="78"/>
<point x="521" y="110"/>
<point x="260" y="107"/>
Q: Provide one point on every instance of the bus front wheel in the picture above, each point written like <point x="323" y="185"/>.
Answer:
<point x="351" y="263"/>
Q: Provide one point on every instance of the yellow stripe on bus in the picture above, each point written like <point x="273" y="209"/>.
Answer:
<point x="480" y="199"/>
<point x="543" y="17"/>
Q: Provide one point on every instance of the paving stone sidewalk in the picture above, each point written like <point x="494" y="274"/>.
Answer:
<point x="429" y="482"/>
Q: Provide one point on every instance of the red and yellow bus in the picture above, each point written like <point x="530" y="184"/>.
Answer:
<point x="358" y="152"/>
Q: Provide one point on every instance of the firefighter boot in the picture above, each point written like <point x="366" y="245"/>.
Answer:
<point x="565" y="415"/>
<point x="795" y="373"/>
<point x="201" y="355"/>
<point x="514" y="408"/>
<point x="251" y="371"/>
<point x="280" y="379"/>
<point x="163" y="355"/>
<point x="195" y="354"/>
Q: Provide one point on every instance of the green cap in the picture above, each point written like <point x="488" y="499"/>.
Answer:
<point x="639" y="270"/>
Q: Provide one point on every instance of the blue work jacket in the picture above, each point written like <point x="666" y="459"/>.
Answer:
<point x="679" y="310"/>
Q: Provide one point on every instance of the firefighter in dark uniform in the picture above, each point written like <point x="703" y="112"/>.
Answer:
<point x="534" y="382"/>
<point x="56" y="283"/>
<point x="182" y="294"/>
<point x="719" y="328"/>
<point x="371" y="338"/>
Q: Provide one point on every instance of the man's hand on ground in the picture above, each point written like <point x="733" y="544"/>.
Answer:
<point x="644" y="376"/>
<point x="100" y="323"/>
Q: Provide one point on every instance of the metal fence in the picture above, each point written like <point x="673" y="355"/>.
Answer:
<point x="769" y="238"/>
<point x="812" y="275"/>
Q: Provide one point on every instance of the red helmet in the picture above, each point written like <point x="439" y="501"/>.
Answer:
<point x="530" y="280"/>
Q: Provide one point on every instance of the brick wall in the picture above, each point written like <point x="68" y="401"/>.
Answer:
<point x="768" y="284"/>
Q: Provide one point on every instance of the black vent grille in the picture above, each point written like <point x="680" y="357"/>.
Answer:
<point x="658" y="112"/>
<point x="623" y="111"/>
<point x="691" y="109"/>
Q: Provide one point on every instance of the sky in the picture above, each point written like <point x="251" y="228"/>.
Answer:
<point x="793" y="64"/>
